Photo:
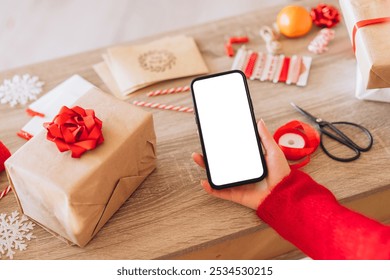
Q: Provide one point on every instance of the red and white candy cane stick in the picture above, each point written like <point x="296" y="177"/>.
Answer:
<point x="163" y="106"/>
<point x="168" y="91"/>
<point x="5" y="191"/>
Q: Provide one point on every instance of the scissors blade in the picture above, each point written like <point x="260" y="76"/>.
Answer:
<point x="303" y="112"/>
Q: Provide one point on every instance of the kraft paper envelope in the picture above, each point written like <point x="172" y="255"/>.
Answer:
<point x="104" y="73"/>
<point x="74" y="197"/>
<point x="135" y="66"/>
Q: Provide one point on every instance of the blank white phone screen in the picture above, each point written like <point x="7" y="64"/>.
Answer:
<point x="229" y="136"/>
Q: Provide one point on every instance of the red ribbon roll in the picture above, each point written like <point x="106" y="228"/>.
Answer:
<point x="75" y="129"/>
<point x="310" y="137"/>
<point x="363" y="23"/>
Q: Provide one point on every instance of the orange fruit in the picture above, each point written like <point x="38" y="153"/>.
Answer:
<point x="294" y="21"/>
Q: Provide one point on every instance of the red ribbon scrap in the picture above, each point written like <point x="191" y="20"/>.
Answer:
<point x="33" y="113"/>
<point x="234" y="40"/>
<point x="310" y="136"/>
<point x="363" y="23"/>
<point x="75" y="129"/>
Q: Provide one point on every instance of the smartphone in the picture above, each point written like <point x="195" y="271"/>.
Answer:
<point x="227" y="130"/>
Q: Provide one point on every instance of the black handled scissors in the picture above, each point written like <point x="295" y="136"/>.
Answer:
<point x="330" y="129"/>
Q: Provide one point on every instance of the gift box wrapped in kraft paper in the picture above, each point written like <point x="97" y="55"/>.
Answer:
<point x="75" y="197"/>
<point x="368" y="24"/>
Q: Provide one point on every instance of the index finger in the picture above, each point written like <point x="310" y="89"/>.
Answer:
<point x="198" y="158"/>
<point x="266" y="137"/>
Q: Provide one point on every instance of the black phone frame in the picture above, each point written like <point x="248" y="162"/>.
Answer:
<point x="239" y="183"/>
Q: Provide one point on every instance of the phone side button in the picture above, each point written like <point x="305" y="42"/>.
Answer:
<point x="197" y="124"/>
<point x="251" y="105"/>
<point x="196" y="119"/>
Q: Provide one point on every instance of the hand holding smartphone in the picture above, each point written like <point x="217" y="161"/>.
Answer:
<point x="227" y="130"/>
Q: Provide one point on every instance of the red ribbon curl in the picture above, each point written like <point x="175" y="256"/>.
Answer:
<point x="308" y="133"/>
<point x="75" y="129"/>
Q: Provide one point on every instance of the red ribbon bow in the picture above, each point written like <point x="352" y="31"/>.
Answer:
<point x="75" y="129"/>
<point x="4" y="155"/>
<point x="308" y="133"/>
<point x="325" y="15"/>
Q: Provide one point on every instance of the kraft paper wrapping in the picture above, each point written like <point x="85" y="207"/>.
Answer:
<point x="372" y="41"/>
<point x="126" y="69"/>
<point x="376" y="94"/>
<point x="74" y="198"/>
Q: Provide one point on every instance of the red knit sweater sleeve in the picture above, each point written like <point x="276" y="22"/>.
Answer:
<point x="309" y="216"/>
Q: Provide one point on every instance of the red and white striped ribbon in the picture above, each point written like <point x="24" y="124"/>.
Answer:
<point x="5" y="191"/>
<point x="320" y="43"/>
<point x="163" y="106"/>
<point x="168" y="91"/>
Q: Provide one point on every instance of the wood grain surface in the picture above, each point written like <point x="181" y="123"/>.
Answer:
<point x="170" y="216"/>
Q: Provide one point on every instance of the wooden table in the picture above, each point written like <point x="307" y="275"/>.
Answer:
<point x="170" y="216"/>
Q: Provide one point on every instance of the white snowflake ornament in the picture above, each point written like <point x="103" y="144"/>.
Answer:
<point x="20" y="89"/>
<point x="14" y="231"/>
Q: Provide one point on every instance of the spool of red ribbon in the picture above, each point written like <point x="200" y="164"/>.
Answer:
<point x="75" y="129"/>
<point x="298" y="141"/>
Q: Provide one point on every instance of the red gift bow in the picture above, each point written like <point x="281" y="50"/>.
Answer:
<point x="325" y="15"/>
<point x="363" y="23"/>
<point x="308" y="133"/>
<point x="4" y="155"/>
<point x="75" y="129"/>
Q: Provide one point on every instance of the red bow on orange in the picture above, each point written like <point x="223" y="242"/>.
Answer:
<point x="75" y="129"/>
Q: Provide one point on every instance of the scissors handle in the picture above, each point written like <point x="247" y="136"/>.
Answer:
<point x="343" y="159"/>
<point x="342" y="138"/>
<point x="349" y="140"/>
